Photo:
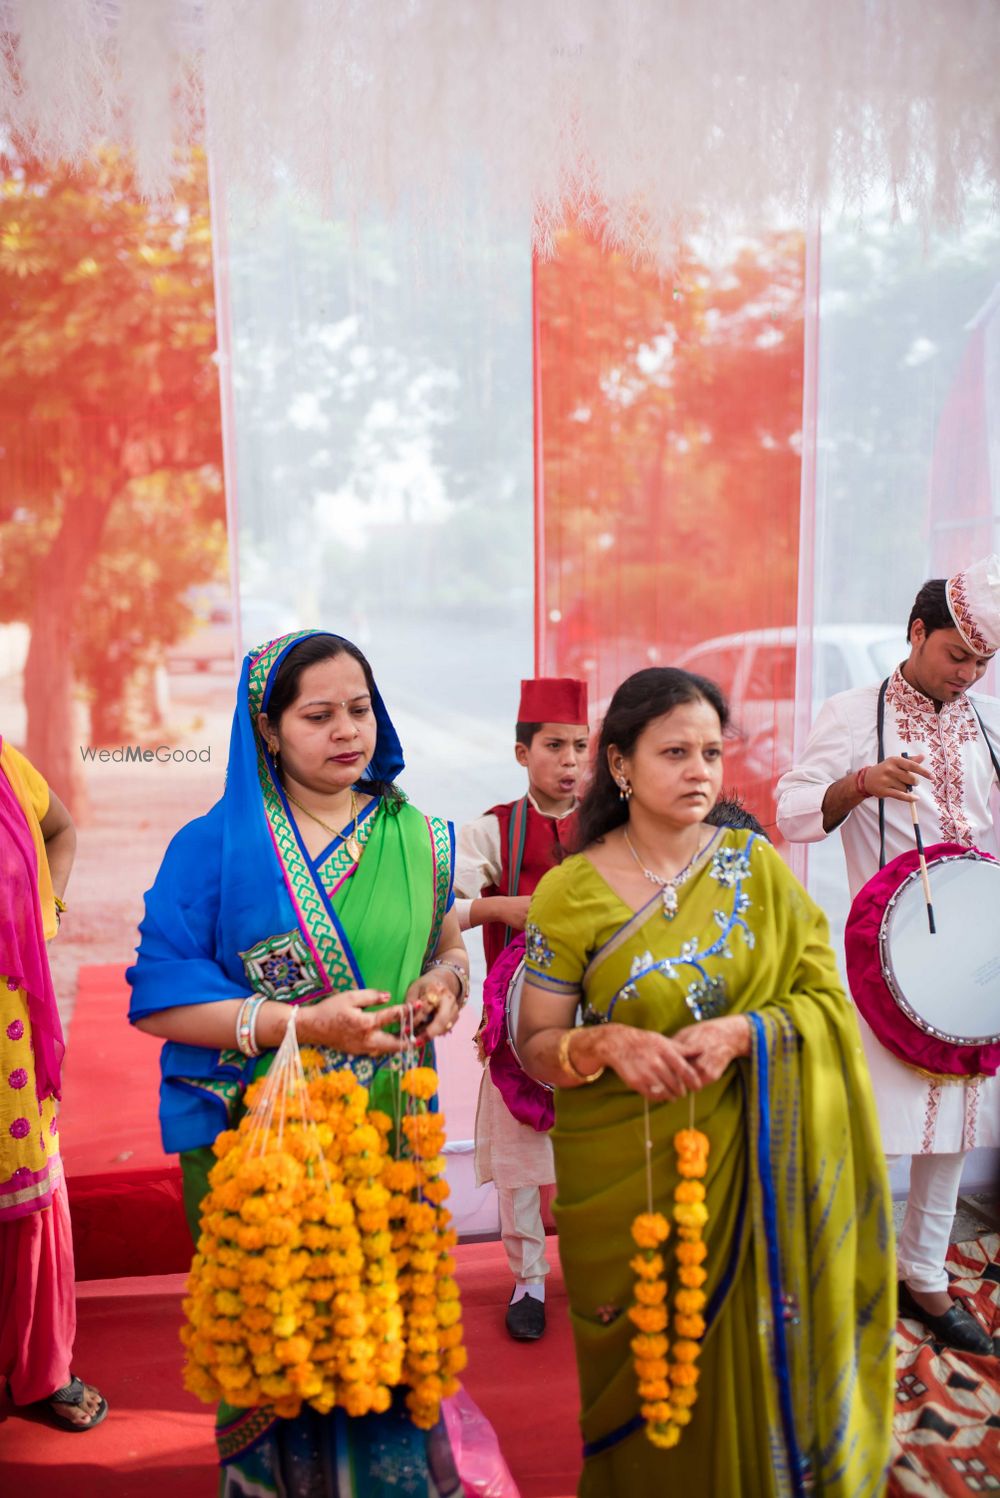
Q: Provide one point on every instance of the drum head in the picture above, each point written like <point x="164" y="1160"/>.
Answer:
<point x="515" y="989"/>
<point x="948" y="984"/>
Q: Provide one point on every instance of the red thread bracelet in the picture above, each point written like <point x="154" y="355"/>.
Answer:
<point x="859" y="780"/>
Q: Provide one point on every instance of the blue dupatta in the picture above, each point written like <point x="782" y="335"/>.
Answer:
<point x="239" y="907"/>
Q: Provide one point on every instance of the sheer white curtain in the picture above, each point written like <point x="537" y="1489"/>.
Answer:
<point x="907" y="451"/>
<point x="379" y="434"/>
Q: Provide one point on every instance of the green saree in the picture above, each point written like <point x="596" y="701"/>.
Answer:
<point x="795" y="1393"/>
<point x="388" y="910"/>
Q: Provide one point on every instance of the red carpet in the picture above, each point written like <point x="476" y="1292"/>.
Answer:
<point x="157" y="1440"/>
<point x="124" y="1192"/>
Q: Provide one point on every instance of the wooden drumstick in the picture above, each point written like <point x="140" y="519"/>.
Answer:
<point x="925" y="878"/>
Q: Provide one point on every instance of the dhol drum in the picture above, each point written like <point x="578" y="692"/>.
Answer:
<point x="512" y="1007"/>
<point x="933" y="1000"/>
<point x="529" y="1101"/>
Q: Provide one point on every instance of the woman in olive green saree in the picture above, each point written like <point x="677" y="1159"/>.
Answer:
<point x="703" y="971"/>
<point x="312" y="883"/>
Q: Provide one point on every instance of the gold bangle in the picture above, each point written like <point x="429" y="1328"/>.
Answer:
<point x="60" y="904"/>
<point x="566" y="1061"/>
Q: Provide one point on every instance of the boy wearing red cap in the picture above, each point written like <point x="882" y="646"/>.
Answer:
<point x="500" y="859"/>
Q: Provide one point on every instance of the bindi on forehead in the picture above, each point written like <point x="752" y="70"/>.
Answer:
<point x="362" y="697"/>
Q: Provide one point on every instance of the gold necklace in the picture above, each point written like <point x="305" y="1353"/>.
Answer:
<point x="351" y="842"/>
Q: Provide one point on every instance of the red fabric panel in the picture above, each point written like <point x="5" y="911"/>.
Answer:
<point x="669" y="470"/>
<point x="129" y="1223"/>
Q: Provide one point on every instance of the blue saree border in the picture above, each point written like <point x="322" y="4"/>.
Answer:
<point x="762" y="1067"/>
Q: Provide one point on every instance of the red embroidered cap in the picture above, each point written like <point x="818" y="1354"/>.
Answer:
<point x="974" y="603"/>
<point x="553" y="699"/>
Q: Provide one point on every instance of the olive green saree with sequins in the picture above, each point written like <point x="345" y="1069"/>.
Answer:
<point x="795" y="1392"/>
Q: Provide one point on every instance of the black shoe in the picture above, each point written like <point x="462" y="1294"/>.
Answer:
<point x="957" y="1328"/>
<point x="525" y="1319"/>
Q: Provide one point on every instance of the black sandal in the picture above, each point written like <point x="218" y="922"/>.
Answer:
<point x="72" y="1394"/>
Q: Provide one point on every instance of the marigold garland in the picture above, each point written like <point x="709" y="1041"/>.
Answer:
<point x="324" y="1272"/>
<point x="668" y="1390"/>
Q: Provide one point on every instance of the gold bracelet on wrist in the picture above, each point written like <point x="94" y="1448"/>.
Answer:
<point x="460" y="973"/>
<point x="566" y="1061"/>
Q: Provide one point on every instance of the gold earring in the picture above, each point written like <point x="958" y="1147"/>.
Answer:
<point x="624" y="789"/>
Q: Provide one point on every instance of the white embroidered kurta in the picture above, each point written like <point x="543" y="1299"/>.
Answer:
<point x="508" y="1152"/>
<point x="917" y="1116"/>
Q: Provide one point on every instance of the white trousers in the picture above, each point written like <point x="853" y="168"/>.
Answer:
<point x="523" y="1233"/>
<point x="930" y="1213"/>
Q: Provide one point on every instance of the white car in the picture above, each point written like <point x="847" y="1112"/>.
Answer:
<point x="758" y="671"/>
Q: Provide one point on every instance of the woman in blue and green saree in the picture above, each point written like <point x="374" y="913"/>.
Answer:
<point x="312" y="883"/>
<point x="680" y="984"/>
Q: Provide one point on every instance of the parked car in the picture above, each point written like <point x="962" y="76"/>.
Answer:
<point x="758" y="671"/>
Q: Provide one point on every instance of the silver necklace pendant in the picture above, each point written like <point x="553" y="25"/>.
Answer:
<point x="669" y="901"/>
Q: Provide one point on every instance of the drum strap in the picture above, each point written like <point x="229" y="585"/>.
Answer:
<point x="989" y="742"/>
<point x="881" y="756"/>
<point x="516" y="834"/>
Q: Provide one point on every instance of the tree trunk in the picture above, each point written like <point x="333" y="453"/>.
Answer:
<point x="53" y="736"/>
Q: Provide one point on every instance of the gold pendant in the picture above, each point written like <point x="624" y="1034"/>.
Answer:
<point x="353" y="848"/>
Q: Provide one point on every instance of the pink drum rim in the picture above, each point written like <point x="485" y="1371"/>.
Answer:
<point x="871" y="991"/>
<point x="528" y="1101"/>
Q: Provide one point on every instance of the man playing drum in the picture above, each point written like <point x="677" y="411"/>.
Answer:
<point x="938" y="752"/>
<point x="500" y="859"/>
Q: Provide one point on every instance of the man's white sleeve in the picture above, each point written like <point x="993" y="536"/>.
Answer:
<point x="828" y="756"/>
<point x="477" y="864"/>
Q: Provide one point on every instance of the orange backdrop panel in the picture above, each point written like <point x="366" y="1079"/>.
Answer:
<point x="669" y="472"/>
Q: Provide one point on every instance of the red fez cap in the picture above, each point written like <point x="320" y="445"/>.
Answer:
<point x="553" y="699"/>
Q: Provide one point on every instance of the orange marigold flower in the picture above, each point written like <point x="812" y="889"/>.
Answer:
<point x="647" y="1266"/>
<point x="689" y="1326"/>
<point x="650" y="1229"/>
<point x="648" y="1318"/>
<point x="658" y="1412"/>
<point x="691" y="1142"/>
<point x="686" y="1351"/>
<point x="693" y="1278"/>
<point x="690" y="1301"/>
<point x="650" y="1293"/>
<point x="689" y="1191"/>
<point x="646" y="1346"/>
<point x="420" y="1082"/>
<point x="684" y="1375"/>
<point x="400" y="1176"/>
<point x="691" y="1214"/>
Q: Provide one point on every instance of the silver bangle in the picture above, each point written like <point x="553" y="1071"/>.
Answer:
<point x="243" y="1026"/>
<point x="258" y="1005"/>
<point x="460" y="974"/>
<point x="246" y="1025"/>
